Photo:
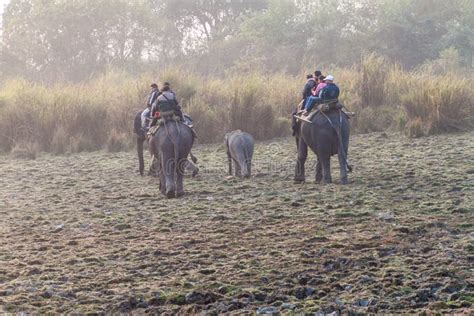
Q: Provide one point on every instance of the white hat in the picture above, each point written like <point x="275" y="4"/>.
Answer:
<point x="329" y="77"/>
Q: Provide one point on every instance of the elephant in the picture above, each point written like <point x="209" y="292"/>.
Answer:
<point x="240" y="150"/>
<point x="141" y="138"/>
<point x="171" y="146"/>
<point x="326" y="135"/>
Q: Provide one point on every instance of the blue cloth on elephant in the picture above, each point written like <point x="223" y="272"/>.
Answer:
<point x="146" y="118"/>
<point x="329" y="93"/>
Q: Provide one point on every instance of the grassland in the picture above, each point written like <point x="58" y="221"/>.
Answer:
<point x="85" y="234"/>
<point x="98" y="114"/>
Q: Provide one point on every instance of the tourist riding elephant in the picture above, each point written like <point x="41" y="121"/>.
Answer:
<point x="141" y="137"/>
<point x="240" y="150"/>
<point x="327" y="135"/>
<point x="171" y="146"/>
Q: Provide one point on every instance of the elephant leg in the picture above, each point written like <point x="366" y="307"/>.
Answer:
<point x="168" y="171"/>
<point x="179" y="184"/>
<point x="238" y="169"/>
<point x="193" y="158"/>
<point x="189" y="166"/>
<point x="141" y="161"/>
<point x="161" y="177"/>
<point x="302" y="155"/>
<point x="326" y="166"/>
<point x="245" y="168"/>
<point x="319" y="171"/>
<point x="229" y="160"/>
<point x="249" y="168"/>
<point x="342" y="166"/>
<point x="162" y="184"/>
<point x="154" y="167"/>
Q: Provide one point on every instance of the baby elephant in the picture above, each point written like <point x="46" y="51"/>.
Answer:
<point x="239" y="149"/>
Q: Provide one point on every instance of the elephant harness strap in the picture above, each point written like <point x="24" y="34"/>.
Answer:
<point x="337" y="129"/>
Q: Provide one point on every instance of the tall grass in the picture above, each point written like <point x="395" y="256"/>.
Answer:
<point x="438" y="106"/>
<point x="99" y="114"/>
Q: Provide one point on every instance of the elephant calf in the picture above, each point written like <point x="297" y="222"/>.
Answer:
<point x="240" y="150"/>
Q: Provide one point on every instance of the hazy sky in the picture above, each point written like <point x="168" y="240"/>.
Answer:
<point x="2" y="5"/>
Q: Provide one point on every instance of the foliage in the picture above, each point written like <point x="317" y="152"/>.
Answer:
<point x="53" y="41"/>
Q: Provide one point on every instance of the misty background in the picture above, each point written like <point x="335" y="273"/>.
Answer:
<point x="59" y="40"/>
<point x="73" y="74"/>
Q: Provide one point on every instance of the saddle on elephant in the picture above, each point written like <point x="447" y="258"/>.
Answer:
<point x="332" y="105"/>
<point x="167" y="116"/>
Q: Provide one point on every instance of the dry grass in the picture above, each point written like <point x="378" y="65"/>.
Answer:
<point x="99" y="114"/>
<point x="437" y="106"/>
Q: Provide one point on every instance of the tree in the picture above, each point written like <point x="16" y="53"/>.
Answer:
<point x="71" y="40"/>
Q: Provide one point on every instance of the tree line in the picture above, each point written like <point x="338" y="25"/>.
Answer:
<point x="62" y="40"/>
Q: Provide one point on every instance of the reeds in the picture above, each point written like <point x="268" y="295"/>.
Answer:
<point x="99" y="114"/>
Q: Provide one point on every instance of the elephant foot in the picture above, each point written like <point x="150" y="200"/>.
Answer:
<point x="141" y="172"/>
<point x="299" y="181"/>
<point x="195" y="172"/>
<point x="344" y="181"/>
<point x="179" y="194"/>
<point x="170" y="194"/>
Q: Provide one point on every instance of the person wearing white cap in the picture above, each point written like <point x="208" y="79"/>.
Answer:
<point x="329" y="94"/>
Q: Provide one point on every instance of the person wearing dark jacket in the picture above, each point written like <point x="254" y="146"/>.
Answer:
<point x="166" y="102"/>
<point x="310" y="84"/>
<point x="146" y="115"/>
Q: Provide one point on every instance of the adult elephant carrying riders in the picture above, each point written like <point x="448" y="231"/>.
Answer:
<point x="326" y="132"/>
<point x="141" y="137"/>
<point x="171" y="143"/>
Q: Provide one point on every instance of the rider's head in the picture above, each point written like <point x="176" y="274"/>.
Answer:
<point x="329" y="79"/>
<point x="317" y="73"/>
<point x="154" y="86"/>
<point x="166" y="87"/>
<point x="309" y="76"/>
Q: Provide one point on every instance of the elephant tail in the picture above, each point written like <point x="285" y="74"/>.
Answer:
<point x="341" y="148"/>
<point x="246" y="168"/>
<point x="176" y="153"/>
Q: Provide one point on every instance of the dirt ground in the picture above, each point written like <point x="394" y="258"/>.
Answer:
<point x="85" y="234"/>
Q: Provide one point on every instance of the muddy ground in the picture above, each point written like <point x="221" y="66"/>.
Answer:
<point x="84" y="233"/>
